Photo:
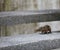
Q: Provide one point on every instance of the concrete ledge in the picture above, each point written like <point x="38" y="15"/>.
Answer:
<point x="25" y="13"/>
<point x="56" y="49"/>
<point x="31" y="42"/>
<point x="14" y="17"/>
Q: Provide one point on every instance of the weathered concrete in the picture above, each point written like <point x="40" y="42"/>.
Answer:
<point x="12" y="18"/>
<point x="56" y="49"/>
<point x="31" y="42"/>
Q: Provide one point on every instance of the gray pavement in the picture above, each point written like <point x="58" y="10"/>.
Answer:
<point x="31" y="41"/>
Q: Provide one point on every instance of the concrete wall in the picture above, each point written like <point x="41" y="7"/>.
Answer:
<point x="13" y="5"/>
<point x="18" y="29"/>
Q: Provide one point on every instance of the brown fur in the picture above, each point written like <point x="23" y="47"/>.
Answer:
<point x="46" y="29"/>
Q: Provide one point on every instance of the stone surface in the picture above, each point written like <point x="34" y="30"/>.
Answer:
<point x="12" y="18"/>
<point x="31" y="42"/>
<point x="56" y="49"/>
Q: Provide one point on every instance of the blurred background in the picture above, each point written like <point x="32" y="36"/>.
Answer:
<point x="16" y="5"/>
<point x="28" y="5"/>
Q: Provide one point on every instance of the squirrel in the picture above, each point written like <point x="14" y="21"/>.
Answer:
<point x="45" y="29"/>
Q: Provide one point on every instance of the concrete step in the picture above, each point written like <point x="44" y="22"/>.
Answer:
<point x="56" y="49"/>
<point x="31" y="42"/>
